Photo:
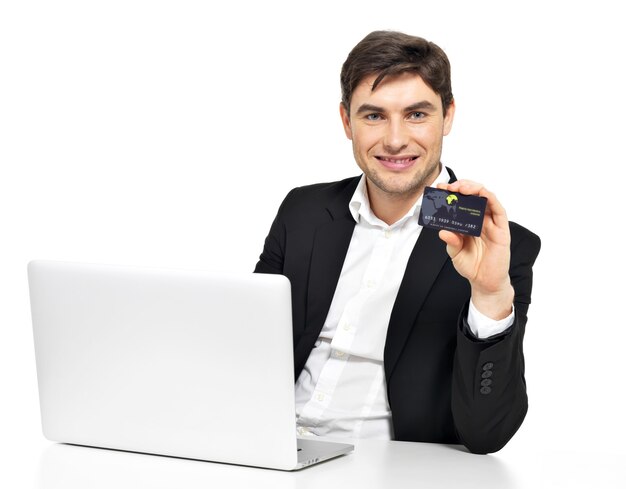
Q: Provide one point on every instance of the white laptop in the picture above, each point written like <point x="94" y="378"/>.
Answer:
<point x="181" y="363"/>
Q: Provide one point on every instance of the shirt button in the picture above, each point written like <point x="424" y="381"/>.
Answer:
<point x="346" y="327"/>
<point x="387" y="233"/>
<point x="302" y="431"/>
<point x="339" y="354"/>
<point x="371" y="283"/>
<point x="320" y="397"/>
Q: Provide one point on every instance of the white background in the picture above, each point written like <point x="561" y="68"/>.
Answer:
<point x="167" y="133"/>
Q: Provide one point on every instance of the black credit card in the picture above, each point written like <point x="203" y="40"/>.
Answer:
<point x="452" y="211"/>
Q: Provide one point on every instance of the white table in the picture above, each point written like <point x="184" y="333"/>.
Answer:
<point x="374" y="464"/>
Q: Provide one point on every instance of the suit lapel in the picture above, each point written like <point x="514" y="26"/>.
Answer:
<point x="329" y="251"/>
<point x="425" y="263"/>
<point x="330" y="247"/>
<point x="427" y="258"/>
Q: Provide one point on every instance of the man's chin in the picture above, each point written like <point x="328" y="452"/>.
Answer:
<point x="403" y="185"/>
<point x="399" y="189"/>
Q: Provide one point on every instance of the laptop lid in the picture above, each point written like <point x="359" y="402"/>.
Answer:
<point x="182" y="363"/>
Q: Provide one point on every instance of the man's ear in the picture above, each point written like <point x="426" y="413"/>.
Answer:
<point x="345" y="120"/>
<point x="447" y="120"/>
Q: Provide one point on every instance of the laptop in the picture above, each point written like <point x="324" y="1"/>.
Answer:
<point x="180" y="363"/>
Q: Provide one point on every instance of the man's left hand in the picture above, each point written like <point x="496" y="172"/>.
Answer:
<point x="483" y="260"/>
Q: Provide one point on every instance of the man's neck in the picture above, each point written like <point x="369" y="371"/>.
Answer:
<point x="390" y="208"/>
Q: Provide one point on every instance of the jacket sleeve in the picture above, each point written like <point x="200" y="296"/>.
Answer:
<point x="489" y="400"/>
<point x="272" y="257"/>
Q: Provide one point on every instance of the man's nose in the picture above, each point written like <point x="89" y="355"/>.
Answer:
<point x="396" y="137"/>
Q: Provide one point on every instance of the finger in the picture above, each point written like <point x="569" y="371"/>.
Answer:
<point x="454" y="242"/>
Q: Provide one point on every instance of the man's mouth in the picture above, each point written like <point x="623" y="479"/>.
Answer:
<point x="396" y="162"/>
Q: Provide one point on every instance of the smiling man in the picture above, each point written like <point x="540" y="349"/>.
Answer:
<point x="401" y="332"/>
<point x="397" y="132"/>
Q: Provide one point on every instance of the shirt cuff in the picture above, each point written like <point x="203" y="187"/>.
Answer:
<point x="483" y="327"/>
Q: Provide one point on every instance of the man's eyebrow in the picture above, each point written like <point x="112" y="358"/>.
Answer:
<point x="424" y="104"/>
<point x="369" y="108"/>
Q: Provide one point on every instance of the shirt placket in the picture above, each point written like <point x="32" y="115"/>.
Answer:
<point x="349" y="326"/>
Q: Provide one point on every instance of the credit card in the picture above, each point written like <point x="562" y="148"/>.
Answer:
<point x="452" y="211"/>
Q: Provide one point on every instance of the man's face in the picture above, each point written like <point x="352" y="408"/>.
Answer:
<point x="397" y="132"/>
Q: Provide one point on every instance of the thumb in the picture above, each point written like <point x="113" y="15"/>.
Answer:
<point x="453" y="241"/>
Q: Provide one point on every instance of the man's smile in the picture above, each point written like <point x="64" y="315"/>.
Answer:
<point x="397" y="162"/>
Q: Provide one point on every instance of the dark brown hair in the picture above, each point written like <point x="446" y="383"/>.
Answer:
<point x="389" y="53"/>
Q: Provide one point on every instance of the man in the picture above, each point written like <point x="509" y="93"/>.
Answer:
<point x="401" y="332"/>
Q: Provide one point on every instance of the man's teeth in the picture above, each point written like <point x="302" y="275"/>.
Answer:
<point x="398" y="161"/>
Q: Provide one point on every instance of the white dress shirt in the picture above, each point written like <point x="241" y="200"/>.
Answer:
<point x="341" y="391"/>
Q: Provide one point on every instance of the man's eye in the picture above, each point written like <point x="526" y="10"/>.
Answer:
<point x="417" y="115"/>
<point x="373" y="117"/>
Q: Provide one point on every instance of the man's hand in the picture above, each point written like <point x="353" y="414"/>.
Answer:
<point x="483" y="260"/>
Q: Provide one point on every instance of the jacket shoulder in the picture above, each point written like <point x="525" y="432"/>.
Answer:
<point x="522" y="239"/>
<point x="318" y="196"/>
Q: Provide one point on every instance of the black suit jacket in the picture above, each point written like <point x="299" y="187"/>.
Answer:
<point x="434" y="367"/>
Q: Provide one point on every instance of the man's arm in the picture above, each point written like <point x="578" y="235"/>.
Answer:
<point x="489" y="399"/>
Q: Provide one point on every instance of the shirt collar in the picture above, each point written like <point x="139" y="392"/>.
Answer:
<point x="360" y="204"/>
